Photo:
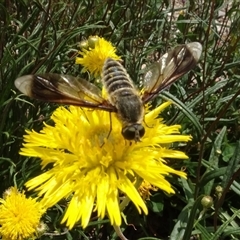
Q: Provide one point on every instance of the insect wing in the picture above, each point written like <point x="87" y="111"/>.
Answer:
<point x="64" y="89"/>
<point x="169" y="68"/>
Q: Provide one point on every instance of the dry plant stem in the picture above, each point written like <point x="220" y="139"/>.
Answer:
<point x="119" y="232"/>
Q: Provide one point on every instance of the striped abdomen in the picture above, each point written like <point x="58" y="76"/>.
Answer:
<point x="116" y="80"/>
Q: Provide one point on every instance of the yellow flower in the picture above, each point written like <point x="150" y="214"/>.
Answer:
<point x="19" y="216"/>
<point x="95" y="54"/>
<point x="94" y="175"/>
<point x="145" y="189"/>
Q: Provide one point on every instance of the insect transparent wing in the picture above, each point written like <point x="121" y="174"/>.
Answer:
<point x="171" y="66"/>
<point x="64" y="89"/>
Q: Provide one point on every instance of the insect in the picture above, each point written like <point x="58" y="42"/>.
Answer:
<point x="123" y="98"/>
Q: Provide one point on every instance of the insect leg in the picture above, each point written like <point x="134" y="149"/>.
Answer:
<point x="110" y="129"/>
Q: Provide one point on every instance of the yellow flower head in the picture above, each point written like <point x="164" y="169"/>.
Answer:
<point x="94" y="53"/>
<point x="19" y="216"/>
<point x="94" y="167"/>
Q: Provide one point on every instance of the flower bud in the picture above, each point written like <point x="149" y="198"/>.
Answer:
<point x="207" y="202"/>
<point x="84" y="45"/>
<point x="92" y="40"/>
<point x="218" y="191"/>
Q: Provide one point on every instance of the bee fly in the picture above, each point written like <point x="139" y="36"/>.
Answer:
<point x="123" y="98"/>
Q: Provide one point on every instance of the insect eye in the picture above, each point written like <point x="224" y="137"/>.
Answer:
<point x="133" y="132"/>
<point x="141" y="130"/>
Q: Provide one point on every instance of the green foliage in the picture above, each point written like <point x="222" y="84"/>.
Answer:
<point x="43" y="36"/>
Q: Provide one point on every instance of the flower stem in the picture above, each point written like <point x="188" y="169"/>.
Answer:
<point x="119" y="232"/>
